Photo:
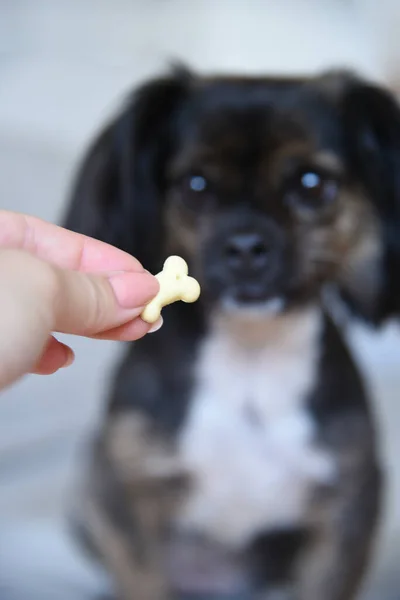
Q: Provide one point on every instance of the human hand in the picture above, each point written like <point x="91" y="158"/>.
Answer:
<point x="54" y="280"/>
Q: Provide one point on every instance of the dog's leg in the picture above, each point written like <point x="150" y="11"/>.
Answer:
<point x="273" y="558"/>
<point x="335" y="562"/>
<point x="134" y="579"/>
<point x="133" y="487"/>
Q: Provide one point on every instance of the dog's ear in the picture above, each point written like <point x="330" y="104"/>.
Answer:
<point x="117" y="196"/>
<point x="372" y="142"/>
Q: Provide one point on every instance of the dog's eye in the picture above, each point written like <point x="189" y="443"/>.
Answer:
<point x="197" y="183"/>
<point x="312" y="190"/>
<point x="195" y="191"/>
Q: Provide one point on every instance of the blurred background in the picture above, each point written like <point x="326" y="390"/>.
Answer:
<point x="64" y="65"/>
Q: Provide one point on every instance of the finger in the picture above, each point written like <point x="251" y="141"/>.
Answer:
<point x="61" y="247"/>
<point x="56" y="355"/>
<point x="131" y="331"/>
<point x="88" y="305"/>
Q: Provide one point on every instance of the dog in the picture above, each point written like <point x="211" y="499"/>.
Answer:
<point x="238" y="456"/>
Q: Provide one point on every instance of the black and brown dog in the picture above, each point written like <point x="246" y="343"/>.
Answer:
<point x="238" y="455"/>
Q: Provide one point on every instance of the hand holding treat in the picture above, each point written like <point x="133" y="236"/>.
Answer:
<point x="54" y="280"/>
<point x="175" y="284"/>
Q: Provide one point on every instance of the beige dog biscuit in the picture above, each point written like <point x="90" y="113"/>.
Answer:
<point x="175" y="284"/>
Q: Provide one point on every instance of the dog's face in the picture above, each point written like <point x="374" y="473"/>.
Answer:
<point x="271" y="189"/>
<point x="259" y="197"/>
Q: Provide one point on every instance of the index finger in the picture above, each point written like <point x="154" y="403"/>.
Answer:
<point x="60" y="246"/>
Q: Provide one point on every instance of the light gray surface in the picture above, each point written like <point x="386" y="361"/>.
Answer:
<point x="63" y="64"/>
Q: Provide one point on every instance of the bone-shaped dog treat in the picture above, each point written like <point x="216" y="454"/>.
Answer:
<point x="175" y="284"/>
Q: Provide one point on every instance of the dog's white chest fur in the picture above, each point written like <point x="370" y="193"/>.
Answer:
<point x="249" y="441"/>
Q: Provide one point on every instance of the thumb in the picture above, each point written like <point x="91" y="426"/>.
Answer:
<point x="88" y="304"/>
<point x="72" y="301"/>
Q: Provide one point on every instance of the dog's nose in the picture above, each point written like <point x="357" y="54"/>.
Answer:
<point x="247" y="250"/>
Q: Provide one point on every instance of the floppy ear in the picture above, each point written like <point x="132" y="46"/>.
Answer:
<point x="117" y="196"/>
<point x="372" y="142"/>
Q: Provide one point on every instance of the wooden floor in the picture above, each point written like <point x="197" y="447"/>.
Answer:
<point x="63" y="64"/>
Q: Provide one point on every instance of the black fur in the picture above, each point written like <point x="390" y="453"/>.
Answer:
<point x="371" y="120"/>
<point x="119" y="185"/>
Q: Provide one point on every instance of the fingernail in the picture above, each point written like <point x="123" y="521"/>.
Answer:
<point x="134" y="289"/>
<point x="70" y="358"/>
<point x="157" y="325"/>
